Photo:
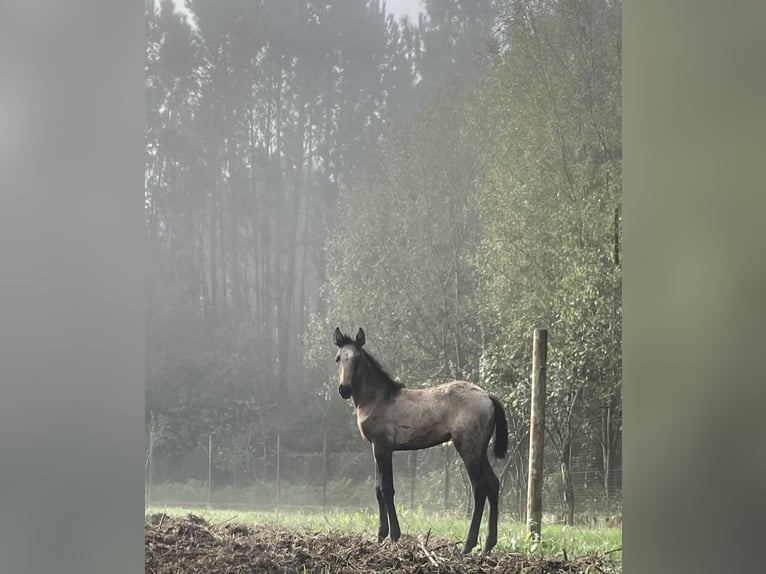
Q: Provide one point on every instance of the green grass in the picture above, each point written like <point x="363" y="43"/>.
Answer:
<point x="556" y="539"/>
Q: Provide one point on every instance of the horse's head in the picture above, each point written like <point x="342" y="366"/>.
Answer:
<point x="348" y="359"/>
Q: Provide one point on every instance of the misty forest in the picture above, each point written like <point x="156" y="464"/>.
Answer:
<point x="447" y="184"/>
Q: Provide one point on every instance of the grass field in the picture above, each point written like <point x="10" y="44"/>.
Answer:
<point x="556" y="541"/>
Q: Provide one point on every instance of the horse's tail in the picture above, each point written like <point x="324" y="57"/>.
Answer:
<point x="501" y="429"/>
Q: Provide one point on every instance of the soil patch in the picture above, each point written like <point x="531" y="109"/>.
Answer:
<point x="190" y="544"/>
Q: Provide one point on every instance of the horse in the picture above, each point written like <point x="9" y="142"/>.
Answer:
<point x="392" y="418"/>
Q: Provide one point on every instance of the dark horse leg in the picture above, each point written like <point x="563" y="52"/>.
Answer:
<point x="476" y="474"/>
<point x="485" y="485"/>
<point x="384" y="490"/>
<point x="493" y="493"/>
<point x="383" y="513"/>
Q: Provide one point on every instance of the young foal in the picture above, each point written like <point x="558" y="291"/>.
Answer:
<point x="391" y="418"/>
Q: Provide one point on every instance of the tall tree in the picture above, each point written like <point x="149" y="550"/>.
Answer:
<point x="399" y="258"/>
<point x="551" y="204"/>
<point x="456" y="36"/>
<point x="256" y="112"/>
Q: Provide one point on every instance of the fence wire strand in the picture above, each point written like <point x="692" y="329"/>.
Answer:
<point x="345" y="480"/>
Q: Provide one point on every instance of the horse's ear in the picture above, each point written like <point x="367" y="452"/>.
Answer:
<point x="360" y="337"/>
<point x="338" y="337"/>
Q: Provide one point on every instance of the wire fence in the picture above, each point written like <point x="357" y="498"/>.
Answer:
<point x="433" y="480"/>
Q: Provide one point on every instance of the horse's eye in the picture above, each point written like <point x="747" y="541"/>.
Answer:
<point x="337" y="358"/>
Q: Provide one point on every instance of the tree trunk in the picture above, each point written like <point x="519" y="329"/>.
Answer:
<point x="222" y="244"/>
<point x="233" y="235"/>
<point x="213" y="260"/>
<point x="566" y="478"/>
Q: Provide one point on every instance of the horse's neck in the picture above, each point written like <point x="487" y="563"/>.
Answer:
<point x="371" y="390"/>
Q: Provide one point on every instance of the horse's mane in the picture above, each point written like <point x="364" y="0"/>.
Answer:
<point x="391" y="386"/>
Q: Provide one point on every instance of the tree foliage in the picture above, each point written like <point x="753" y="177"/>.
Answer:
<point x="449" y="185"/>
<point x="495" y="211"/>
<point x="551" y="210"/>
<point x="255" y="114"/>
<point x="400" y="256"/>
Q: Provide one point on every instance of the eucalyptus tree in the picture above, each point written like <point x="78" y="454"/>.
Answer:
<point x="173" y="159"/>
<point x="456" y="36"/>
<point x="256" y="114"/>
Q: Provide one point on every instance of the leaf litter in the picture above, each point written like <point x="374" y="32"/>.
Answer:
<point x="191" y="544"/>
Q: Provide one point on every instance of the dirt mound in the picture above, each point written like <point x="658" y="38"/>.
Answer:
<point x="179" y="545"/>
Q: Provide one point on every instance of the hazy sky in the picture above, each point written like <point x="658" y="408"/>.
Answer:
<point x="398" y="7"/>
<point x="402" y="7"/>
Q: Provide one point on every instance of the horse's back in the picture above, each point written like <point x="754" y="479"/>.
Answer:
<point x="461" y="395"/>
<point x="436" y="414"/>
<point x="469" y="403"/>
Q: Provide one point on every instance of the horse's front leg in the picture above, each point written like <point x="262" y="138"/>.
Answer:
<point x="384" y="461"/>
<point x="383" y="514"/>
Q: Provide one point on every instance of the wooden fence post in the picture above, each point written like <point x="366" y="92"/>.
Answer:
<point x="413" y="472"/>
<point x="446" y="477"/>
<point x="210" y="469"/>
<point x="151" y="463"/>
<point x="537" y="434"/>
<point x="324" y="470"/>
<point x="278" y="476"/>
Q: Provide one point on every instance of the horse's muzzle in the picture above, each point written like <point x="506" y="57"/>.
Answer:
<point x="345" y="391"/>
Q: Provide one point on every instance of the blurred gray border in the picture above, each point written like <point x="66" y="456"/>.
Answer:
<point x="695" y="275"/>
<point x="71" y="287"/>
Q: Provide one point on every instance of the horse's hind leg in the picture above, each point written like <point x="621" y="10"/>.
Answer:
<point x="476" y="474"/>
<point x="493" y="494"/>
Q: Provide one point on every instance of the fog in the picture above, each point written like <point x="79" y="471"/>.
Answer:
<point x="76" y="243"/>
<point x="320" y="164"/>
